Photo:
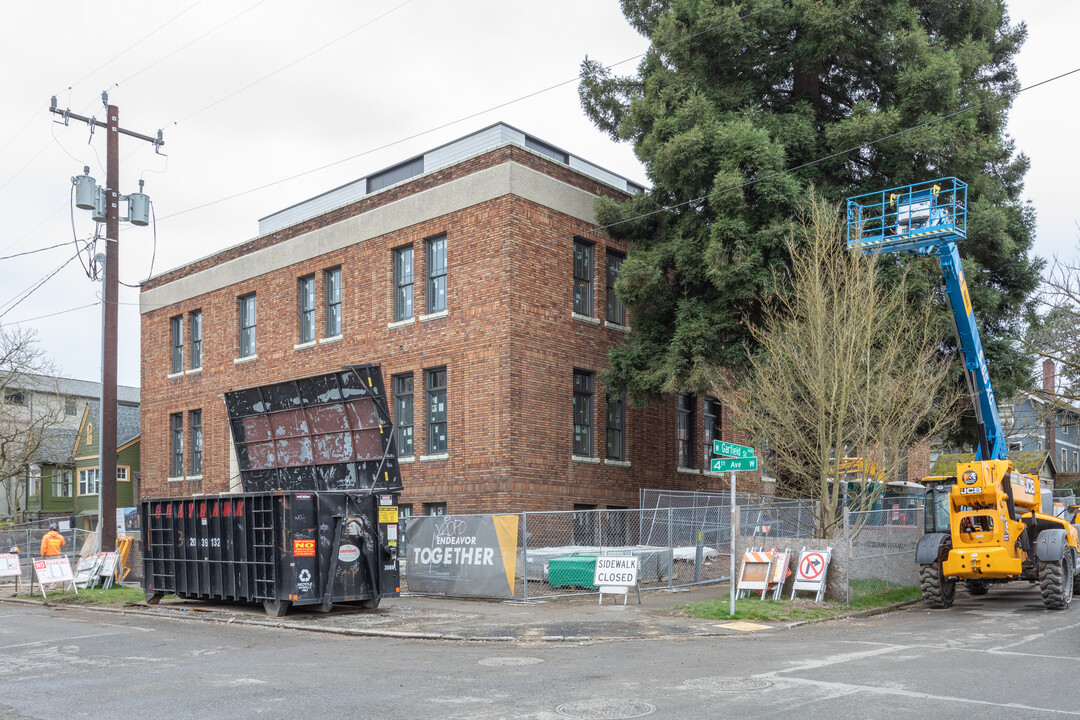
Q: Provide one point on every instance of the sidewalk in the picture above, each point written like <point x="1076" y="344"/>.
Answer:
<point x="573" y="619"/>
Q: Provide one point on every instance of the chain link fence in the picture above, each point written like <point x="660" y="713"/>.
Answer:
<point x="881" y="549"/>
<point x="27" y="538"/>
<point x="685" y="539"/>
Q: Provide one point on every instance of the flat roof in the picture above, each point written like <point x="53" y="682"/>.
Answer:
<point x="451" y="153"/>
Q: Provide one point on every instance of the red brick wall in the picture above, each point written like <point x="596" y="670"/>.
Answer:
<point x="509" y="344"/>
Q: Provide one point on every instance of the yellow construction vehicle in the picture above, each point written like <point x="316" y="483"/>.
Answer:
<point x="984" y="524"/>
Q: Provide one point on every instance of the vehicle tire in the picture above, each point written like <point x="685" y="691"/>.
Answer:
<point x="976" y="587"/>
<point x="937" y="592"/>
<point x="1056" y="582"/>
<point x="276" y="608"/>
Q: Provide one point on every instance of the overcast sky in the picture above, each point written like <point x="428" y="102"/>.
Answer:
<point x="265" y="103"/>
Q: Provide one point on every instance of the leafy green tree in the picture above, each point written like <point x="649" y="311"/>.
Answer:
<point x="737" y="108"/>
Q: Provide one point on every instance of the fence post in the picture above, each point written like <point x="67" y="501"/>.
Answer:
<point x="600" y="530"/>
<point x="671" y="552"/>
<point x="847" y="560"/>
<point x="525" y="556"/>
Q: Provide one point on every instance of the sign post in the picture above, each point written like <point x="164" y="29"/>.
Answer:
<point x="737" y="457"/>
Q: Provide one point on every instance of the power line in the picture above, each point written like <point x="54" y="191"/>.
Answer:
<point x="13" y="303"/>
<point x="451" y="123"/>
<point x="31" y="252"/>
<point x="54" y="314"/>
<point x="294" y="62"/>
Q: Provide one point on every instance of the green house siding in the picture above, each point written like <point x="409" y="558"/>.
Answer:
<point x="45" y="501"/>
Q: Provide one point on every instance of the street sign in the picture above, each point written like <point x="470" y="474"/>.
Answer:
<point x="719" y="447"/>
<point x="734" y="464"/>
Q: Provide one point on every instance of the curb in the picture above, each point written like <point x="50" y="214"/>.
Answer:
<point x="407" y="635"/>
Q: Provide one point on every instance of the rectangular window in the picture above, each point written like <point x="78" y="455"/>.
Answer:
<point x="1064" y="461"/>
<point x="583" y="271"/>
<point x="306" y="293"/>
<point x="89" y="481"/>
<point x="713" y="426"/>
<point x="196" y="339"/>
<point x="403" y="283"/>
<point x="686" y="431"/>
<point x="616" y="311"/>
<point x="195" y="464"/>
<point x="584" y="524"/>
<point x="176" y="463"/>
<point x="435" y="509"/>
<point x="583" y="409"/>
<point x="435" y="380"/>
<point x="14" y="397"/>
<point x="61" y="484"/>
<point x="70" y="406"/>
<point x="246" y="321"/>
<point x="122" y="474"/>
<point x="436" y="274"/>
<point x="247" y="325"/>
<point x="403" y="413"/>
<point x="176" y="330"/>
<point x="332" y="281"/>
<point x="616" y="417"/>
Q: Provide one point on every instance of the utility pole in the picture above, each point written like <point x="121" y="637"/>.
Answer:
<point x="111" y="288"/>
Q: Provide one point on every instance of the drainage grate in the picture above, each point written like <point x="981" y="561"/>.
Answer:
<point x="510" y="661"/>
<point x="728" y="684"/>
<point x="605" y="709"/>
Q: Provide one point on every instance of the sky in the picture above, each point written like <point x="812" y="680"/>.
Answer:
<point x="265" y="103"/>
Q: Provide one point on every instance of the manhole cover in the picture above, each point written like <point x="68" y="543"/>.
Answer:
<point x="728" y="684"/>
<point x="510" y="661"/>
<point x="605" y="709"/>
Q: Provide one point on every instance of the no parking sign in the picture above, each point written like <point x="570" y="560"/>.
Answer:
<point x="810" y="572"/>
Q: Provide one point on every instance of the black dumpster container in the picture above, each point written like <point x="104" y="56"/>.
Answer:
<point x="277" y="548"/>
<point x="317" y="521"/>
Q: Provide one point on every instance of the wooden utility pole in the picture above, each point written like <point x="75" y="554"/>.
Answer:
<point x="107" y="423"/>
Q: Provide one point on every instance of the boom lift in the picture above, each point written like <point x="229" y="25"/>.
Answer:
<point x="984" y="524"/>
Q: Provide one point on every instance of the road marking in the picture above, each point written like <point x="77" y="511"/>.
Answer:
<point x="57" y="640"/>
<point x="836" y="659"/>
<point x="847" y="688"/>
<point x="1029" y="638"/>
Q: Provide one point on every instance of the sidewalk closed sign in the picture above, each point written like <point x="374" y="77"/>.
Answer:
<point x="616" y="571"/>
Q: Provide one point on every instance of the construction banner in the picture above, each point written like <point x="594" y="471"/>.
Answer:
<point x="462" y="555"/>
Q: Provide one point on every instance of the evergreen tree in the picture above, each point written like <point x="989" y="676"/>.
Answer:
<point x="731" y="95"/>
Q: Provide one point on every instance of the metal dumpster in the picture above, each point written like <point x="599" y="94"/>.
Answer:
<point x="277" y="548"/>
<point x="317" y="521"/>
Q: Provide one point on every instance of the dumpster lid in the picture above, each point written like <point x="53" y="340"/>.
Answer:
<point x="326" y="432"/>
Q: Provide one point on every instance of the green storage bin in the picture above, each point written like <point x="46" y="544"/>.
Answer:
<point x="572" y="571"/>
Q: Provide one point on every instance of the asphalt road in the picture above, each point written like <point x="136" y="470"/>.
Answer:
<point x="1001" y="656"/>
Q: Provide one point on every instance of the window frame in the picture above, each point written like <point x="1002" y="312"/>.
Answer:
<point x="436" y="416"/>
<point x="305" y="301"/>
<point x="713" y="412"/>
<point x="435" y="509"/>
<point x="583" y="276"/>
<point x="615" y="309"/>
<point x="583" y="407"/>
<point x="61" y="483"/>
<point x="195" y="327"/>
<point x="406" y="431"/>
<point x="615" y="425"/>
<point x="685" y="430"/>
<point x="248" y="346"/>
<point x="195" y="455"/>
<point x="91" y="479"/>
<point x="435" y="272"/>
<point x="332" y="303"/>
<point x="404" y="279"/>
<point x="176" y="344"/>
<point x="176" y="445"/>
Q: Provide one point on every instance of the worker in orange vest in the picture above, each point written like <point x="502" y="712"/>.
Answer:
<point x="53" y="543"/>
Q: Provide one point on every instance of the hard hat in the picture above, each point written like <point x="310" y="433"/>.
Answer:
<point x="54" y="526"/>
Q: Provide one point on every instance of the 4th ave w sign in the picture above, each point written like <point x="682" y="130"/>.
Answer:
<point x="734" y="464"/>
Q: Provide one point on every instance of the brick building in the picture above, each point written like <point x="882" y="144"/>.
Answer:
<point x="472" y="275"/>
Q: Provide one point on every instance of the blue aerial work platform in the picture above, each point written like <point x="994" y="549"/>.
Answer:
<point x="924" y="218"/>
